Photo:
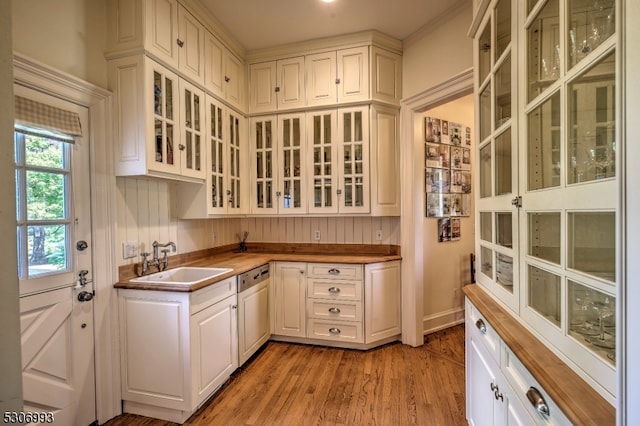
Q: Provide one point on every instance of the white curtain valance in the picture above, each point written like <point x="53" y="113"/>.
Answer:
<point x="35" y="118"/>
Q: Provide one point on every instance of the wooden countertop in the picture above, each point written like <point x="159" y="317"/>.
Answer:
<point x="256" y="256"/>
<point x="577" y="400"/>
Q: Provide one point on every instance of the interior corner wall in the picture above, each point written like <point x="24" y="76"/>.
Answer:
<point x="438" y="51"/>
<point x="68" y="35"/>
<point x="446" y="264"/>
<point x="10" y="359"/>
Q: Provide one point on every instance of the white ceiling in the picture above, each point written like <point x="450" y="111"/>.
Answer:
<point x="258" y="24"/>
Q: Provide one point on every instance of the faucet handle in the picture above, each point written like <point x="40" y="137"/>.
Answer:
<point x="165" y="251"/>
<point x="144" y="254"/>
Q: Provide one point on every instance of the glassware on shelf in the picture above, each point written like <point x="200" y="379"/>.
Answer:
<point x="605" y="337"/>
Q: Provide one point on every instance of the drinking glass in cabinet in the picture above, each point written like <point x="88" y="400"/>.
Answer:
<point x="592" y="22"/>
<point x="543" y="36"/>
<point x="592" y="146"/>
<point x="592" y="319"/>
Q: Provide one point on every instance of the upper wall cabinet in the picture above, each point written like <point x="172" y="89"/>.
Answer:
<point x="163" y="28"/>
<point x="338" y="76"/>
<point x="277" y="85"/>
<point x="223" y="72"/>
<point x="159" y="121"/>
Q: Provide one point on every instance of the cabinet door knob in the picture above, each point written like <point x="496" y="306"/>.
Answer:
<point x="179" y="42"/>
<point x="334" y="310"/>
<point x="337" y="81"/>
<point x="181" y="147"/>
<point x="334" y="290"/>
<point x="334" y="330"/>
<point x="226" y="79"/>
<point x="277" y="89"/>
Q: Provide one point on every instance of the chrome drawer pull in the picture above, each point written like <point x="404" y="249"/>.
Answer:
<point x="481" y="326"/>
<point x="334" y="310"/>
<point x="334" y="271"/>
<point x="537" y="400"/>
<point x="334" y="290"/>
<point x="334" y="330"/>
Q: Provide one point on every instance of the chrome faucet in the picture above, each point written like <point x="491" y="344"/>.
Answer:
<point x="163" y="263"/>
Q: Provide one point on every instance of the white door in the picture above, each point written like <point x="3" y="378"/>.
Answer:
<point x="54" y="251"/>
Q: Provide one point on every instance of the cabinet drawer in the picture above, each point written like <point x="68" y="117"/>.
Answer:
<point x="480" y="327"/>
<point x="328" y="310"/>
<point x="334" y="289"/>
<point x="335" y="271"/>
<point x="521" y="381"/>
<point x="209" y="295"/>
<point x="335" y="330"/>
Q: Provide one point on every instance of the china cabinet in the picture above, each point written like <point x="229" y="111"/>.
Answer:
<point x="159" y="121"/>
<point x="548" y="211"/>
<point x="277" y="85"/>
<point x="278" y="169"/>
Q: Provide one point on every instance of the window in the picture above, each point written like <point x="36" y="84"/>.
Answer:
<point x="43" y="204"/>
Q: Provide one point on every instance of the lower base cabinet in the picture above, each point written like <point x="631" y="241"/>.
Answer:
<point x="499" y="389"/>
<point x="177" y="348"/>
<point x="336" y="304"/>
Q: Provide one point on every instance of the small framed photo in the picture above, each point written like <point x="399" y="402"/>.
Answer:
<point x="455" y="133"/>
<point x="460" y="205"/>
<point x="438" y="180"/>
<point x="460" y="182"/>
<point x="437" y="205"/>
<point x="444" y="229"/>
<point x="432" y="130"/>
<point x="437" y="155"/>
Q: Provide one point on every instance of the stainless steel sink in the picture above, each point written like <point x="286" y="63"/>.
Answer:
<point x="182" y="276"/>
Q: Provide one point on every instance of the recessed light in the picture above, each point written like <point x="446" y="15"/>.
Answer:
<point x="328" y="1"/>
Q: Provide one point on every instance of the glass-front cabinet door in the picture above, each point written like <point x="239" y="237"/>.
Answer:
<point x="569" y="181"/>
<point x="291" y="191"/>
<point x="217" y="164"/>
<point x="497" y="196"/>
<point x="264" y="158"/>
<point x="322" y="139"/>
<point x="353" y="160"/>
<point x="235" y="151"/>
<point x="164" y="87"/>
<point x="192" y="158"/>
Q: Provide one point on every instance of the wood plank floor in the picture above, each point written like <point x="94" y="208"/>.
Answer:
<point x="291" y="384"/>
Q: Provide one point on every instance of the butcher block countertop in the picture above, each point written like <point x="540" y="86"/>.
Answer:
<point x="258" y="254"/>
<point x="577" y="400"/>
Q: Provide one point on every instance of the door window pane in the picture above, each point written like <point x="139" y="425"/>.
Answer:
<point x="544" y="236"/>
<point x="504" y="271"/>
<point x="504" y="229"/>
<point x="543" y="144"/>
<point x="592" y="243"/>
<point x="592" y="144"/>
<point x="543" y="42"/>
<point x="544" y="294"/>
<point x="591" y="23"/>
<point x="486" y="230"/>
<point x="503" y="163"/>
<point x="485" y="171"/>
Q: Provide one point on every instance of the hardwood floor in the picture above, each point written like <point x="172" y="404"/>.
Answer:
<point x="291" y="384"/>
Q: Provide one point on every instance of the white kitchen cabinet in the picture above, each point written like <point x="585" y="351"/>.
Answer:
<point x="338" y="76"/>
<point x="224" y="188"/>
<point x="290" y="294"/>
<point x="177" y="348"/>
<point x="497" y="384"/>
<point x="334" y="302"/>
<point x="223" y="72"/>
<point x="158" y="121"/>
<point x="385" y="161"/>
<point x="278" y="164"/>
<point x="386" y="76"/>
<point x="338" y="142"/>
<point x="382" y="301"/>
<point x="277" y="85"/>
<point x="163" y="28"/>
<point x="254" y="322"/>
<point x="548" y="183"/>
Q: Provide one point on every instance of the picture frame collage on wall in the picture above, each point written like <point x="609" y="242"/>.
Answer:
<point x="447" y="174"/>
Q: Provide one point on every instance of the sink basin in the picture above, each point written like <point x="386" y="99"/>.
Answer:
<point x="181" y="276"/>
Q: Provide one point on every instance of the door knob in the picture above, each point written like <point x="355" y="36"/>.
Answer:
<point x="85" y="296"/>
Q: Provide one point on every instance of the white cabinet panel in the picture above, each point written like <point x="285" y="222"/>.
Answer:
<point x="382" y="304"/>
<point x="290" y="295"/>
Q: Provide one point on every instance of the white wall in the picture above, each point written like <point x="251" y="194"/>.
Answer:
<point x="440" y="50"/>
<point x="446" y="264"/>
<point x="10" y="359"/>
<point x="69" y="35"/>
